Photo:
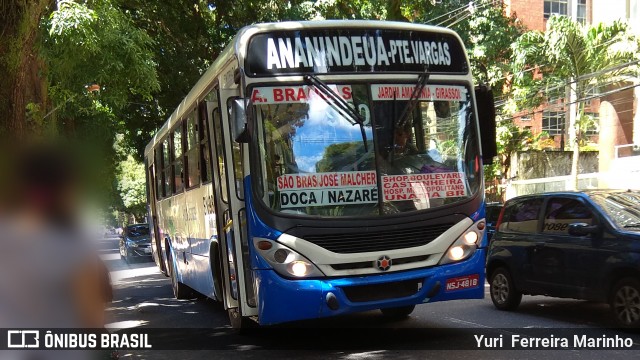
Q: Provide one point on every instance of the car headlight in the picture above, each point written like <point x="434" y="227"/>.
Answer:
<point x="465" y="245"/>
<point x="284" y="260"/>
<point x="132" y="244"/>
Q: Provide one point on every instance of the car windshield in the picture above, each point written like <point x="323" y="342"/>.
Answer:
<point x="135" y="231"/>
<point x="622" y="207"/>
<point x="318" y="162"/>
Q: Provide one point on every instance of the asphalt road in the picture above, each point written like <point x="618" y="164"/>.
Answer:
<point x="144" y="300"/>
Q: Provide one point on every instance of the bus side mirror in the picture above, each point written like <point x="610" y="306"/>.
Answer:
<point x="239" y="121"/>
<point x="487" y="122"/>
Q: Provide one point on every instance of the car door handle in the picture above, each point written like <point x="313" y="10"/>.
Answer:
<point x="539" y="245"/>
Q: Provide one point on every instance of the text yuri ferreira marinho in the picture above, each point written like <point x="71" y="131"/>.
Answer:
<point x="517" y="341"/>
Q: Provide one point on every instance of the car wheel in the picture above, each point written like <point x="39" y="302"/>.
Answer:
<point x="625" y="303"/>
<point x="397" y="313"/>
<point x="128" y="258"/>
<point x="503" y="291"/>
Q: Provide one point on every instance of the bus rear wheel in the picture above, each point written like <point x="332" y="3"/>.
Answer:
<point x="180" y="290"/>
<point x="398" y="313"/>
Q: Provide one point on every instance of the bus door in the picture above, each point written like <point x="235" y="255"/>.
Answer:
<point x="236" y="224"/>
<point x="222" y="274"/>
<point x="156" y="246"/>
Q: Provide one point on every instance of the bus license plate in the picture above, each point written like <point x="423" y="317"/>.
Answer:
<point x="463" y="282"/>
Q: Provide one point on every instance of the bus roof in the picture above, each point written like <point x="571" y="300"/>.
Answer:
<point x="237" y="49"/>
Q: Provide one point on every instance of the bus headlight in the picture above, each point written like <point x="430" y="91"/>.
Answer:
<point x="285" y="261"/>
<point x="464" y="246"/>
<point x="456" y="253"/>
<point x="298" y="268"/>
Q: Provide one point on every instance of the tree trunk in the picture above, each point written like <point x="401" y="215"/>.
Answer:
<point x="574" y="130"/>
<point x="394" y="11"/>
<point x="22" y="67"/>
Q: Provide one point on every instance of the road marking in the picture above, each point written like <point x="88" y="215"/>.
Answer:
<point x="465" y="322"/>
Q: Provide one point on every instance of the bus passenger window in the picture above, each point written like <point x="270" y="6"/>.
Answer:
<point x="205" y="147"/>
<point x="158" y="174"/>
<point x="178" y="171"/>
<point x="166" y="165"/>
<point x="191" y="153"/>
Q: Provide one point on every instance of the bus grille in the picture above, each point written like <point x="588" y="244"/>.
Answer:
<point x="379" y="240"/>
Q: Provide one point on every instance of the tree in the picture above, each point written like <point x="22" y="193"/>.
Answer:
<point x="486" y="32"/>
<point x="510" y="139"/>
<point x="20" y="63"/>
<point x="575" y="56"/>
<point x="131" y="187"/>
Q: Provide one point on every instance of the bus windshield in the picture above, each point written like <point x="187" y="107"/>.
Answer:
<point x="316" y="162"/>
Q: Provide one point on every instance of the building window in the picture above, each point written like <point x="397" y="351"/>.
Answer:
<point x="557" y="7"/>
<point x="589" y="95"/>
<point x="581" y="16"/>
<point x="553" y="122"/>
<point x="591" y="123"/>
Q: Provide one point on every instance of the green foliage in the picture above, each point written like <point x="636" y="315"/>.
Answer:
<point x="131" y="186"/>
<point x="98" y="44"/>
<point x="568" y="50"/>
<point x="487" y="34"/>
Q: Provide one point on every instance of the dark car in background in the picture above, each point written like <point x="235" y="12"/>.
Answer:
<point x="135" y="242"/>
<point x="581" y="245"/>
<point x="492" y="212"/>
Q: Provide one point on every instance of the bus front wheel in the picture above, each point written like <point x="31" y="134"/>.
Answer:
<point x="398" y="313"/>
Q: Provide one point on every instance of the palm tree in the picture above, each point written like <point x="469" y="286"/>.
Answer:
<point x="573" y="57"/>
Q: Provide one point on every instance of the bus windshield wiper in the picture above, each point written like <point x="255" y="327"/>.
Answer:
<point x="413" y="100"/>
<point x="340" y="105"/>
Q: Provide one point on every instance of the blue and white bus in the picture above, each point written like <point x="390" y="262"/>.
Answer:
<point x="323" y="168"/>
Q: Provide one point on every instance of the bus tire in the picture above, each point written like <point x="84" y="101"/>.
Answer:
<point x="397" y="313"/>
<point x="504" y="294"/>
<point x="180" y="290"/>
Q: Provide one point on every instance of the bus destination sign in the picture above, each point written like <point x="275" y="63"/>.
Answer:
<point x="354" y="50"/>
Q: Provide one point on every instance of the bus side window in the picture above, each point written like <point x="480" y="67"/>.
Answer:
<point x="191" y="153"/>
<point x="236" y="154"/>
<point x="176" y="157"/>
<point x="205" y="145"/>
<point x="166" y="165"/>
<point x="158" y="174"/>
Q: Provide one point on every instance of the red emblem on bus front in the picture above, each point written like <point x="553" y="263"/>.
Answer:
<point x="384" y="263"/>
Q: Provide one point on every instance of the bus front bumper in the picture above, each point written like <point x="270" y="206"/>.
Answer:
<point x="283" y="300"/>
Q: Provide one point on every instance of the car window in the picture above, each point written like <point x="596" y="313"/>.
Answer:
<point x="621" y="207"/>
<point x="522" y="216"/>
<point x="561" y="212"/>
<point x="135" y="231"/>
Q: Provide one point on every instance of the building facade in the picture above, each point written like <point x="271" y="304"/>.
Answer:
<point x="616" y="124"/>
